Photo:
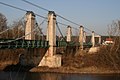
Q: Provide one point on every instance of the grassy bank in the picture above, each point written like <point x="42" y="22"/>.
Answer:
<point x="85" y="70"/>
<point x="89" y="63"/>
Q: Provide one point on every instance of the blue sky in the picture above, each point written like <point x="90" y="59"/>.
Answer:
<point x="92" y="14"/>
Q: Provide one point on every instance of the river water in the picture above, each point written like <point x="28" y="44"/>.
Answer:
<point x="54" y="76"/>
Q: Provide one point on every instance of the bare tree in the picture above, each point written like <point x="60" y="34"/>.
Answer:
<point x="3" y="25"/>
<point x="18" y="29"/>
<point x="112" y="52"/>
<point x="3" y="22"/>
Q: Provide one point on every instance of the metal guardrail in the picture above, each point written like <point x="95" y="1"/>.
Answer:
<point x="64" y="44"/>
<point x="23" y="44"/>
<point x="11" y="44"/>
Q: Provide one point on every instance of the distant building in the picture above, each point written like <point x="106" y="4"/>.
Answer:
<point x="108" y="41"/>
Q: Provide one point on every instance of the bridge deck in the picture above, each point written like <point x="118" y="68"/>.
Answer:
<point x="7" y="43"/>
<point x="13" y="44"/>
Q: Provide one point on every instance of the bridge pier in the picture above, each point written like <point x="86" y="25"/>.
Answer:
<point x="50" y="59"/>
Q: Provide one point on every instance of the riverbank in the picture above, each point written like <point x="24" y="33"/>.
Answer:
<point x="63" y="69"/>
<point x="85" y="70"/>
<point x="98" y="63"/>
<point x="4" y="64"/>
<point x="87" y="64"/>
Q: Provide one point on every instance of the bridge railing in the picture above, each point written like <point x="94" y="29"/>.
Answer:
<point x="9" y="43"/>
<point x="87" y="45"/>
<point x="64" y="44"/>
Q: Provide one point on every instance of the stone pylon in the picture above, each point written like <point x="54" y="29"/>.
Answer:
<point x="30" y="25"/>
<point x="93" y="39"/>
<point x="81" y="37"/>
<point x="84" y="37"/>
<point x="99" y="39"/>
<point x="69" y="33"/>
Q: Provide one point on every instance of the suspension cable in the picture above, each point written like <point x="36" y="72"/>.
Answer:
<point x="45" y="10"/>
<point x="56" y="14"/>
<point x="40" y="16"/>
<point x="10" y="27"/>
<point x="68" y="25"/>
<point x="62" y="23"/>
<point x="20" y="9"/>
<point x="20" y="37"/>
<point x="60" y="31"/>
<point x="39" y="27"/>
<point x="35" y="5"/>
<point x="12" y="6"/>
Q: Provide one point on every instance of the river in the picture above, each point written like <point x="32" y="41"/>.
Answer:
<point x="55" y="76"/>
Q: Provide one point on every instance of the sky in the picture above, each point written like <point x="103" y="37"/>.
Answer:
<point x="95" y="15"/>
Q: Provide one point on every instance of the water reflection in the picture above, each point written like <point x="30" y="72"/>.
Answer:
<point x="54" y="76"/>
<point x="43" y="76"/>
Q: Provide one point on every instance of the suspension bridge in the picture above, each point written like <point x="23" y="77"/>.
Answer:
<point x="50" y="41"/>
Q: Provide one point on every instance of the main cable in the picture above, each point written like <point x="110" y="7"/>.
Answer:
<point x="56" y="14"/>
<point x="20" y="9"/>
<point x="35" y="5"/>
<point x="12" y="6"/>
<point x="67" y="25"/>
<point x="43" y="16"/>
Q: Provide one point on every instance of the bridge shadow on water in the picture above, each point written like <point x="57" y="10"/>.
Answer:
<point x="35" y="56"/>
<point x="18" y="68"/>
<point x="27" y="60"/>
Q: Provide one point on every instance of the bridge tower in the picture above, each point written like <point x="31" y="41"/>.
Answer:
<point x="99" y="39"/>
<point x="84" y="37"/>
<point x="69" y="33"/>
<point x="30" y="23"/>
<point x="81" y="37"/>
<point x="94" y="49"/>
<point x="51" y="33"/>
<point x="93" y="39"/>
<point x="50" y="58"/>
